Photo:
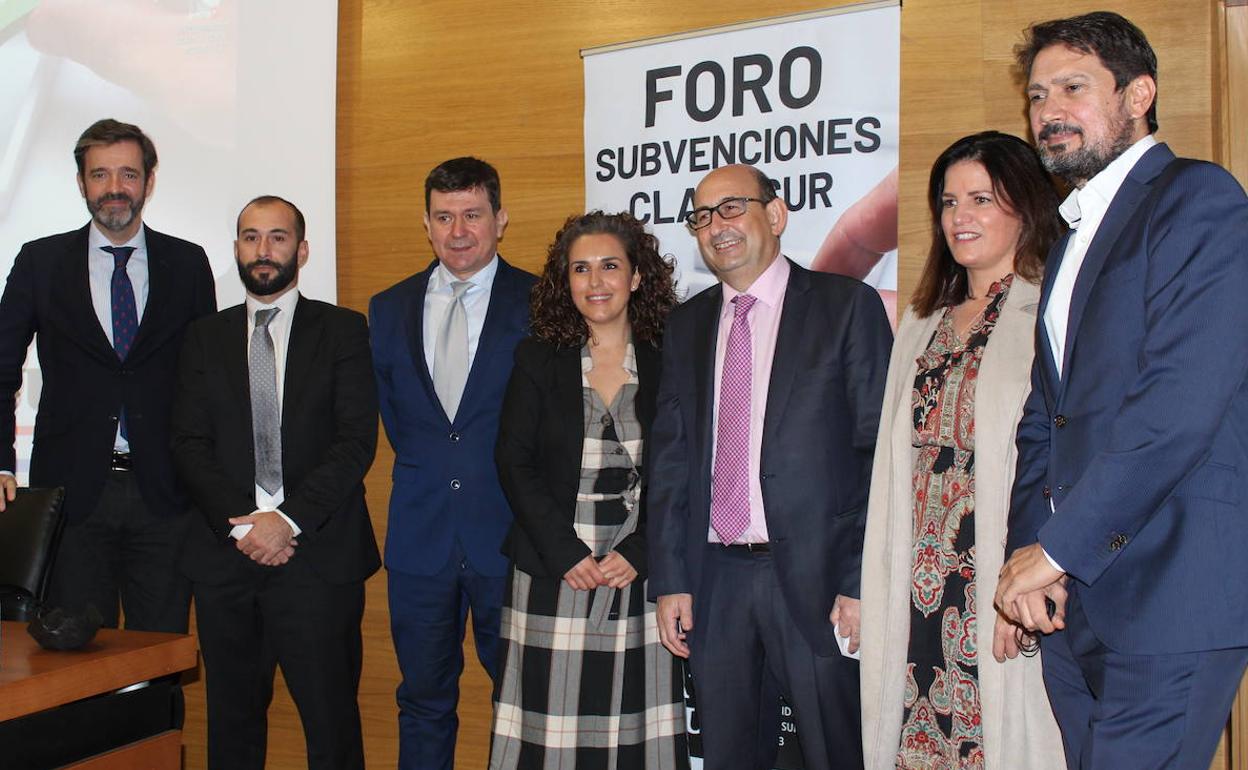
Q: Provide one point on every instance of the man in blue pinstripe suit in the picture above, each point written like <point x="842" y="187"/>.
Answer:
<point x="1129" y="512"/>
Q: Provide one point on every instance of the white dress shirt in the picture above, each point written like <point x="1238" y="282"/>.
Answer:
<point x="279" y="331"/>
<point x="100" y="266"/>
<point x="438" y="297"/>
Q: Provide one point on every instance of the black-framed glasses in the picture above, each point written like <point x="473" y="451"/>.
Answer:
<point x="728" y="208"/>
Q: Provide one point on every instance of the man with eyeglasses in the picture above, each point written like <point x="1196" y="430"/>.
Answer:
<point x="760" y="461"/>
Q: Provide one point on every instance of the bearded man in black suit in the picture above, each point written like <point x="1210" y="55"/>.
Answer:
<point x="108" y="304"/>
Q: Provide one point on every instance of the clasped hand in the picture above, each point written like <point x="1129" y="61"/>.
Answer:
<point x="613" y="571"/>
<point x="270" y="542"/>
<point x="1027" y="580"/>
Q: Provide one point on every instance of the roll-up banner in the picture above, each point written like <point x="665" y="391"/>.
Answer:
<point x="810" y="99"/>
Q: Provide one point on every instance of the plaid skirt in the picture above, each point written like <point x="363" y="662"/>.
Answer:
<point x="586" y="683"/>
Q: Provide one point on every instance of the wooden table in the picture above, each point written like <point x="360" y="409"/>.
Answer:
<point x="33" y="679"/>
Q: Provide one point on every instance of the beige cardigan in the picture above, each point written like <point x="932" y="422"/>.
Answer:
<point x="1019" y="730"/>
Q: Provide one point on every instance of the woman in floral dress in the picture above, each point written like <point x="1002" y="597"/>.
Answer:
<point x="933" y="696"/>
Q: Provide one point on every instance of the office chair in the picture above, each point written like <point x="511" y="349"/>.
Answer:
<point x="30" y="529"/>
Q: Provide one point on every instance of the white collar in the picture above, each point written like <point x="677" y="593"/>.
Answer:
<point x="97" y="240"/>
<point x="285" y="303"/>
<point x="442" y="278"/>
<point x="1101" y="189"/>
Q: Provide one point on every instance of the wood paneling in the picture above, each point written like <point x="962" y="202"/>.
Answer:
<point x="420" y="82"/>
<point x="1231" y="60"/>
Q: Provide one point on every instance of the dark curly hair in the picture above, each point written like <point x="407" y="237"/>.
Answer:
<point x="554" y="317"/>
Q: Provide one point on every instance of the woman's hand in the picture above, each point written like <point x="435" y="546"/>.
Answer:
<point x="1009" y="639"/>
<point x="585" y="576"/>
<point x="616" y="570"/>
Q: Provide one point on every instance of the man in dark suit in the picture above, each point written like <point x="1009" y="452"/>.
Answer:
<point x="443" y="342"/>
<point x="762" y="442"/>
<point x="1128" y="508"/>
<point x="275" y="425"/>
<point x="109" y="303"/>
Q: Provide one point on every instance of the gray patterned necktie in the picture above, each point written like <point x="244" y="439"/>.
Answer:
<point x="266" y="416"/>
<point x="450" y="358"/>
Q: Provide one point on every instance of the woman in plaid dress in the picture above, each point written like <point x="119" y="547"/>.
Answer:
<point x="585" y="683"/>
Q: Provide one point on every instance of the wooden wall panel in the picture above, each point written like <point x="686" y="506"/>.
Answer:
<point x="1231" y="64"/>
<point x="419" y="82"/>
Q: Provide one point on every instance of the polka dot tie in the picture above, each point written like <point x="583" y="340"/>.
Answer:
<point x="125" y="316"/>
<point x="730" y="484"/>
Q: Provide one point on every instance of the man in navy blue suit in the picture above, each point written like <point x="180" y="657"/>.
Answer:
<point x="442" y="342"/>
<point x="1128" y="511"/>
<point x="760" y="460"/>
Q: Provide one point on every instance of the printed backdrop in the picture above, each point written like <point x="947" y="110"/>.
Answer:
<point x="811" y="100"/>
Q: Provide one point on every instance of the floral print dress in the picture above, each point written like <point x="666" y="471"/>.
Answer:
<point x="941" y="727"/>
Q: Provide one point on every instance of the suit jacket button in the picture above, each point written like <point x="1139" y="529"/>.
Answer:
<point x="1046" y="492"/>
<point x="454" y="437"/>
<point x="1060" y="421"/>
<point x="1118" y="542"/>
<point x="455" y="484"/>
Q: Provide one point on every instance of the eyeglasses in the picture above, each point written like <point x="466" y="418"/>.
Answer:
<point x="728" y="208"/>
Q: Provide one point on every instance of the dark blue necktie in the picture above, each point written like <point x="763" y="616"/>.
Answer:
<point x="125" y="315"/>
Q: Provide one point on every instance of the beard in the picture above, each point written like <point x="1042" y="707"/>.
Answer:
<point x="262" y="287"/>
<point x="1078" y="166"/>
<point x="115" y="220"/>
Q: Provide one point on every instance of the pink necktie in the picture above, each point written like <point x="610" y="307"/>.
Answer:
<point x="730" y="484"/>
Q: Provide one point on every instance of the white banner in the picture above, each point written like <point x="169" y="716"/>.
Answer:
<point x="812" y="101"/>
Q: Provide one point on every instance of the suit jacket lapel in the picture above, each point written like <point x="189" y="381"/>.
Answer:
<point x="234" y="355"/>
<point x="789" y="336"/>
<point x="159" y="288"/>
<point x="414" y="324"/>
<point x="705" y="336"/>
<point x="73" y="287"/>
<point x="306" y="329"/>
<point x="1121" y="210"/>
<point x="1044" y="347"/>
<point x="494" y="329"/>
<point x="568" y="393"/>
<point x="648" y="384"/>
